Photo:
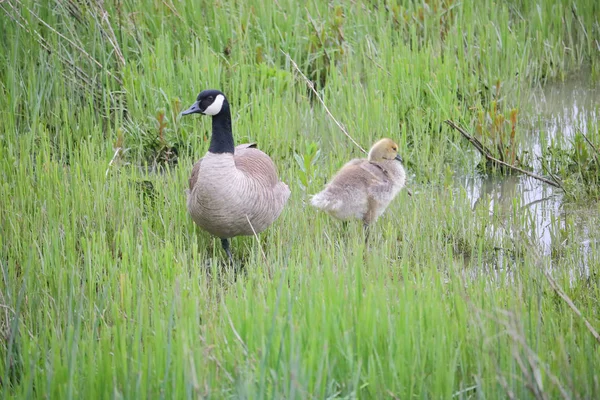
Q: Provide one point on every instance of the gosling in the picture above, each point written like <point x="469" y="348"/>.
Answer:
<point x="233" y="190"/>
<point x="363" y="188"/>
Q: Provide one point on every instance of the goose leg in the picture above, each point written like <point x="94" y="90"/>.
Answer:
<point x="225" y="244"/>
<point x="369" y="216"/>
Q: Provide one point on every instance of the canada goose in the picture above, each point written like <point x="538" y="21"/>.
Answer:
<point x="363" y="188"/>
<point x="233" y="191"/>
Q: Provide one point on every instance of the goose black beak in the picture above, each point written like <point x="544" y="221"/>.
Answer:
<point x="398" y="158"/>
<point x="194" y="109"/>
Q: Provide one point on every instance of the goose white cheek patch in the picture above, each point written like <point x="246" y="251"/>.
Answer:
<point x="216" y="106"/>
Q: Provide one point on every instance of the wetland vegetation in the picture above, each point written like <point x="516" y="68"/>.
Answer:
<point x="483" y="283"/>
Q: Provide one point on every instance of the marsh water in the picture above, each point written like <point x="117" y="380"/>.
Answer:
<point x="557" y="112"/>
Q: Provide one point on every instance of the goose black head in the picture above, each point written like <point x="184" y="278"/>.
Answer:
<point x="209" y="102"/>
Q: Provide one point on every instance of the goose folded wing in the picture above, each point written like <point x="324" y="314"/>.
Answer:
<point x="195" y="171"/>
<point x="256" y="165"/>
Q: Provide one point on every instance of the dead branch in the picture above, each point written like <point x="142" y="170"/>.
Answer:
<point x="484" y="152"/>
<point x="546" y="168"/>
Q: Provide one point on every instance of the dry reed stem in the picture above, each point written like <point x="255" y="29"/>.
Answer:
<point x="312" y="87"/>
<point x="75" y="45"/>
<point x="571" y="305"/>
<point x="259" y="246"/>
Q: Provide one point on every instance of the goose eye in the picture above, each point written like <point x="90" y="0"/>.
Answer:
<point x="210" y="98"/>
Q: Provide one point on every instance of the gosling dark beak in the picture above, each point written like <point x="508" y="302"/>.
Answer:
<point x="194" y="109"/>
<point x="398" y="158"/>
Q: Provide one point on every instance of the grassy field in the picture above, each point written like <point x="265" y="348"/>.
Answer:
<point x="108" y="290"/>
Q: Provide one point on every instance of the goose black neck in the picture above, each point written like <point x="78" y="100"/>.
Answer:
<point x="222" y="136"/>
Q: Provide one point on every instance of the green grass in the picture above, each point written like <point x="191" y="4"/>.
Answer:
<point x="108" y="290"/>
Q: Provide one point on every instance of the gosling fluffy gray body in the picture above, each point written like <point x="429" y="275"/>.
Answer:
<point x="363" y="188"/>
<point x="228" y="192"/>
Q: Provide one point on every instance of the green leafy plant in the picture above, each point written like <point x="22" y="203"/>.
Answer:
<point x="307" y="162"/>
<point x="499" y="134"/>
<point x="578" y="165"/>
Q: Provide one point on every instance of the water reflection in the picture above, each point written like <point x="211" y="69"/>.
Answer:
<point x="559" y="111"/>
<point x="500" y="195"/>
<point x="563" y="108"/>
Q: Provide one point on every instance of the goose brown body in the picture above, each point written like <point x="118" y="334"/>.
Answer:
<point x="233" y="191"/>
<point x="363" y="188"/>
<point x="230" y="194"/>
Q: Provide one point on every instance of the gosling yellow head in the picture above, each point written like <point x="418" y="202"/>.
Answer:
<point x="384" y="149"/>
